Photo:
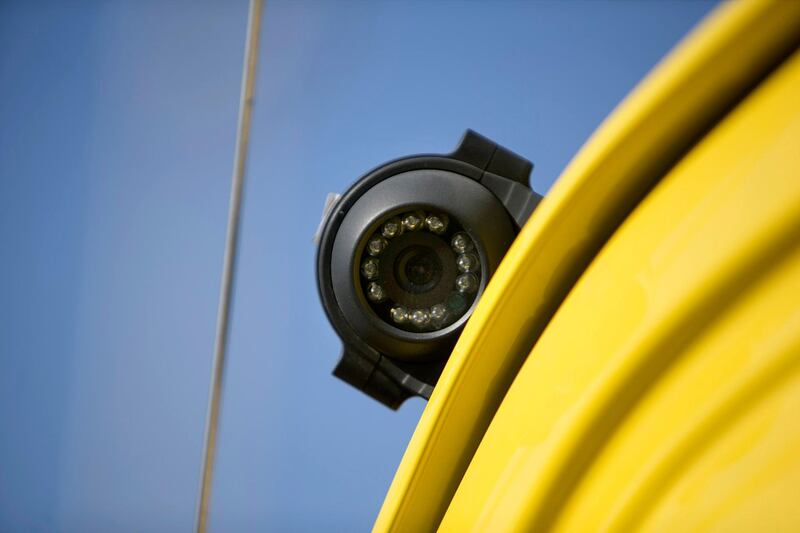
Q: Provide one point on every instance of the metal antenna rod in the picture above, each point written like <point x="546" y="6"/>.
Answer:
<point x="229" y="261"/>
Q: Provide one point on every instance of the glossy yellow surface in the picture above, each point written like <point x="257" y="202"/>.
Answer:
<point x="683" y="97"/>
<point x="665" y="393"/>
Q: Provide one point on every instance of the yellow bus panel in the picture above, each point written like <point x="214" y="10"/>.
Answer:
<point x="684" y="96"/>
<point x="664" y="394"/>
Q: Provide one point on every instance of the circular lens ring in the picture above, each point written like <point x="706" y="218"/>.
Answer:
<point x="428" y="275"/>
<point x="422" y="276"/>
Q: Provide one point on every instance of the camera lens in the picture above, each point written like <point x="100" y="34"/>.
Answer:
<point x="419" y="270"/>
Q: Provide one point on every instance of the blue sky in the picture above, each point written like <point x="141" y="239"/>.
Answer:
<point x="117" y="124"/>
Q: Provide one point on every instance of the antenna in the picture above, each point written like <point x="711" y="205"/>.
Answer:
<point x="229" y="261"/>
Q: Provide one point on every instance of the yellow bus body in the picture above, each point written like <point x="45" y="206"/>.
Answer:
<point x="634" y="362"/>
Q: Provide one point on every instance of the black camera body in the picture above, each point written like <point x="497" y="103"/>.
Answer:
<point x="404" y="255"/>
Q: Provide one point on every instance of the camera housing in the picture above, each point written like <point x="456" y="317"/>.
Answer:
<point x="404" y="255"/>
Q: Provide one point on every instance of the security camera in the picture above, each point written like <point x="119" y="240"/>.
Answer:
<point x="405" y="254"/>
